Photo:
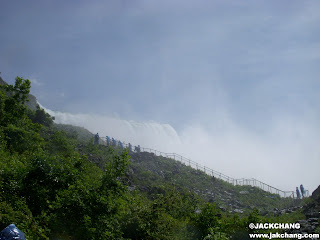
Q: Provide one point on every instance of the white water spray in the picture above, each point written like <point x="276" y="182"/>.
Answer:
<point x="154" y="135"/>
<point x="286" y="150"/>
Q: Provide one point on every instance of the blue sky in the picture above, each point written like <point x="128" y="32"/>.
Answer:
<point x="244" y="75"/>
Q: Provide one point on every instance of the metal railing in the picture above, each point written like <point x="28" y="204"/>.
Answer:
<point x="188" y="162"/>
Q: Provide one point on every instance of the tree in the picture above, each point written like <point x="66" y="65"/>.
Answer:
<point x="41" y="117"/>
<point x="12" y="99"/>
<point x="19" y="133"/>
<point x="208" y="220"/>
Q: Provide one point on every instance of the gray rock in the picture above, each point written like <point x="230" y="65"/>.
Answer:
<point x="313" y="219"/>
<point x="303" y="222"/>
<point x="244" y="192"/>
<point x="238" y="210"/>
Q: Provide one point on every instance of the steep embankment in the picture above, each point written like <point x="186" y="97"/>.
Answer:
<point x="81" y="133"/>
<point x="54" y="186"/>
<point x="147" y="172"/>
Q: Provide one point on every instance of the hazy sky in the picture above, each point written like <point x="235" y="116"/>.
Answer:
<point x="236" y="80"/>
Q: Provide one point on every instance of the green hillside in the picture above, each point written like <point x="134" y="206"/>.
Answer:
<point x="80" y="133"/>
<point x="57" y="184"/>
<point x="148" y="171"/>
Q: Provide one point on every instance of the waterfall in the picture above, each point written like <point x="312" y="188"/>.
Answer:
<point x="231" y="149"/>
<point x="150" y="134"/>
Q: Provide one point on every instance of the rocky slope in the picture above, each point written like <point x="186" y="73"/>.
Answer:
<point x="148" y="171"/>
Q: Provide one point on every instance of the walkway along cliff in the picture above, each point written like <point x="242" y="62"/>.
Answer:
<point x="249" y="182"/>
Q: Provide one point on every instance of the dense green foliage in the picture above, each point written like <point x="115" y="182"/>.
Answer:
<point x="52" y="186"/>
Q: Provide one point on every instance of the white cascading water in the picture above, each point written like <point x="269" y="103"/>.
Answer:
<point x="232" y="150"/>
<point x="154" y="135"/>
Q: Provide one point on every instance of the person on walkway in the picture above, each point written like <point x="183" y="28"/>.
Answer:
<point x="302" y="190"/>
<point x="137" y="149"/>
<point x="130" y="147"/>
<point x="114" y="142"/>
<point x="108" y="141"/>
<point x="121" y="145"/>
<point x="298" y="193"/>
<point x="96" y="139"/>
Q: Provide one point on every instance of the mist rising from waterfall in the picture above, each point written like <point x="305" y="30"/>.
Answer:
<point x="162" y="137"/>
<point x="286" y="149"/>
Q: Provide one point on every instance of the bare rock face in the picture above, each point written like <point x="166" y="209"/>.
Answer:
<point x="32" y="102"/>
<point x="316" y="195"/>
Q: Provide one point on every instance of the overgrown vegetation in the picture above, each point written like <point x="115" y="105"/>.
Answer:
<point x="148" y="171"/>
<point x="53" y="186"/>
